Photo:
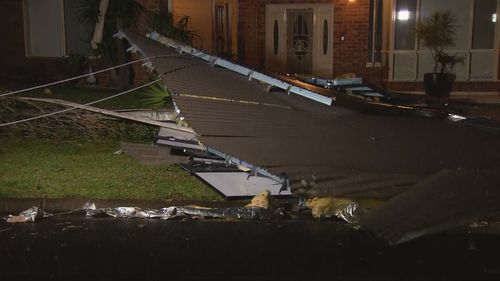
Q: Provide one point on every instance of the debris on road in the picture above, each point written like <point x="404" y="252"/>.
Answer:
<point x="345" y="209"/>
<point x="30" y="215"/>
<point x="260" y="208"/>
<point x="190" y="212"/>
<point x="263" y="200"/>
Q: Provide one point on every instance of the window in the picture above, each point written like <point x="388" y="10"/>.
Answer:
<point x="483" y="40"/>
<point x="76" y="35"/>
<point x="375" y="33"/>
<point x="52" y="29"/>
<point x="475" y="39"/>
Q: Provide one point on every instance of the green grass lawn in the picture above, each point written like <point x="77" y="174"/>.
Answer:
<point x="31" y="168"/>
<point x="78" y="167"/>
<point x="88" y="94"/>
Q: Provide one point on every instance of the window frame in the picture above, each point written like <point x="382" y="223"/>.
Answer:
<point x="469" y="51"/>
<point x="27" y="39"/>
<point x="375" y="31"/>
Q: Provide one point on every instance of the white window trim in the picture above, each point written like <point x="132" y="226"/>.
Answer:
<point x="468" y="52"/>
<point x="27" y="43"/>
<point x="374" y="62"/>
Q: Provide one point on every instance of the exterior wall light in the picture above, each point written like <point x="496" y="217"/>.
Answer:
<point x="403" y="15"/>
<point x="494" y="17"/>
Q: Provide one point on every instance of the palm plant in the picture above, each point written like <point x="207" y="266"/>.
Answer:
<point x="437" y="32"/>
<point x="164" y="24"/>
<point x="156" y="96"/>
<point x="119" y="14"/>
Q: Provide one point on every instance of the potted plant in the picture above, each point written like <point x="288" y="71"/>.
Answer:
<point x="437" y="32"/>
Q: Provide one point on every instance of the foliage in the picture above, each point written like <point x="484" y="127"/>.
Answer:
<point x="119" y="14"/>
<point x="164" y="24"/>
<point x="156" y="96"/>
<point x="68" y="125"/>
<point x="72" y="65"/>
<point x="84" y="95"/>
<point x="74" y="124"/>
<point x="438" y="32"/>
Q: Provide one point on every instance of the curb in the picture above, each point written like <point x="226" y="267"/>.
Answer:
<point x="17" y="205"/>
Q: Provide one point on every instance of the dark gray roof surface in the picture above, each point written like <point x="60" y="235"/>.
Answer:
<point x="349" y="153"/>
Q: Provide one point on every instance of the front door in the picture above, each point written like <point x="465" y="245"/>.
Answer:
<point x="299" y="39"/>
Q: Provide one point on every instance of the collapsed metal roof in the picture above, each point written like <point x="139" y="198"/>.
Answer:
<point x="295" y="134"/>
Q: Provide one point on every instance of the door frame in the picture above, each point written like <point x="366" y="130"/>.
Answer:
<point x="276" y="15"/>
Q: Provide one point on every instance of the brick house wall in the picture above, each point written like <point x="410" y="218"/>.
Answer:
<point x="351" y="19"/>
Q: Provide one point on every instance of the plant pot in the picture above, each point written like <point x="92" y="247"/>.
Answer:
<point x="438" y="84"/>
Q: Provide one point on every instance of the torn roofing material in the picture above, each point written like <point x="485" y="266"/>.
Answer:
<point x="333" y="151"/>
<point x="173" y="129"/>
<point x="449" y="199"/>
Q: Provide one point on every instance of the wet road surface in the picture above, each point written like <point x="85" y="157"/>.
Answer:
<point x="113" y="249"/>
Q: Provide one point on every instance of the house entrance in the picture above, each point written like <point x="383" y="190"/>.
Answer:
<point x="299" y="39"/>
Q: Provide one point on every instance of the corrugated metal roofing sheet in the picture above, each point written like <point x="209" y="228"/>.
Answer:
<point x="346" y="152"/>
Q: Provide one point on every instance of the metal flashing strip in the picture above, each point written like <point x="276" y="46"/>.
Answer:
<point x="256" y="169"/>
<point x="344" y="82"/>
<point x="374" y="94"/>
<point x="177" y="144"/>
<point x="361" y="89"/>
<point x="255" y="75"/>
<point x="173" y="129"/>
<point x="135" y="49"/>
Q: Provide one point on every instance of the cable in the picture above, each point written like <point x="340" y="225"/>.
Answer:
<point x="73" y="108"/>
<point x="85" y="75"/>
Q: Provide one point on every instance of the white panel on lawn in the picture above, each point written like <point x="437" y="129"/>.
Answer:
<point x="237" y="184"/>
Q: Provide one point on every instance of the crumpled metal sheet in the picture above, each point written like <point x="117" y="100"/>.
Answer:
<point x="30" y="215"/>
<point x="349" y="213"/>
<point x="241" y="213"/>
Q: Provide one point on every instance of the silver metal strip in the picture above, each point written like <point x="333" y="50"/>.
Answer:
<point x="242" y="70"/>
<point x="258" y="170"/>
<point x="180" y="144"/>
